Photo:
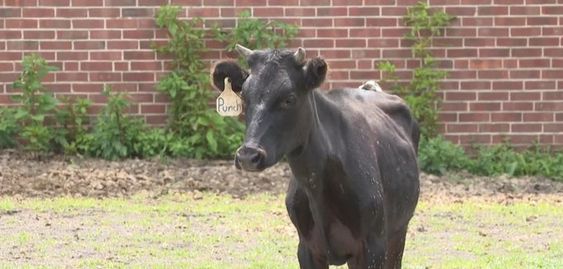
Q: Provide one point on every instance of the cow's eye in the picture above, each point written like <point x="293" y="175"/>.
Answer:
<point x="289" y="101"/>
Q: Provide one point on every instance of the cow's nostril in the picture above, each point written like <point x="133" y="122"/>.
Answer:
<point x="256" y="158"/>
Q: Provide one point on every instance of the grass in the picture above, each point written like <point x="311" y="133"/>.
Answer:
<point x="222" y="232"/>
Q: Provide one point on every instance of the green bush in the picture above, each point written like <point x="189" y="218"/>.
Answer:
<point x="437" y="156"/>
<point x="36" y="105"/>
<point x="115" y="134"/>
<point x="8" y="128"/>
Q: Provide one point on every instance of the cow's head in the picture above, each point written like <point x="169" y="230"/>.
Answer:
<point x="278" y="109"/>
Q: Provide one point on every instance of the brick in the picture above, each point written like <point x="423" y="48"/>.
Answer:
<point x="120" y="2"/>
<point x="10" y="12"/>
<point x="89" y="24"/>
<point x="534" y="63"/>
<point x="509" y="21"/>
<point x="477" y="42"/>
<point x="332" y="11"/>
<point x="551" y="74"/>
<point x="153" y="109"/>
<point x="524" y="74"/>
<point x="58" y="3"/>
<point x="20" y="3"/>
<point x="104" y="76"/>
<point x="494" y="52"/>
<point x="71" y="12"/>
<point x="541" y="116"/>
<point x="461" y="128"/>
<point x="552" y="52"/>
<point x="525" y="10"/>
<point x="316" y="22"/>
<point x="72" y="55"/>
<point x="492" y="32"/>
<point x="557" y="95"/>
<point x="553" y="128"/>
<point x="492" y="74"/>
<point x="105" y="34"/>
<point x="314" y="2"/>
<point x="383" y="43"/>
<point x="72" y="35"/>
<point x="38" y="12"/>
<point x="21" y="23"/>
<point x="525" y="127"/>
<point x="71" y="76"/>
<point x="123" y="44"/>
<point x="517" y="106"/>
<point x="104" y="12"/>
<point x="549" y="106"/>
<point x="476" y="21"/>
<point x="552" y="10"/>
<point x="492" y="96"/>
<point x="283" y="2"/>
<point x="484" y="106"/>
<point x="96" y="66"/>
<point x="84" y="3"/>
<point x="137" y="12"/>
<point x="525" y="31"/>
<point x="524" y="96"/>
<point x="89" y="45"/>
<point x="138" y="34"/>
<point x="476" y="85"/>
<point x="494" y="127"/>
<point x="156" y="66"/>
<point x="349" y="22"/>
<point x="506" y="117"/>
<point x="454" y="106"/>
<point x="492" y="10"/>
<point x="23" y="45"/>
<point x="44" y="23"/>
<point x="465" y="96"/>
<point x="363" y="11"/>
<point x="55" y="45"/>
<point x="382" y="22"/>
<point x="540" y="84"/>
<point x="507" y="85"/>
<point x="296" y="12"/>
<point x="474" y="117"/>
<point x="512" y="42"/>
<point x="485" y="64"/>
<point x="350" y="43"/>
<point x="318" y="43"/>
<point x="105" y="55"/>
<point x="544" y="41"/>
<point x="542" y="21"/>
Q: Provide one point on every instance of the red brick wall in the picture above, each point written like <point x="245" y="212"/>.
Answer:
<point x="505" y="57"/>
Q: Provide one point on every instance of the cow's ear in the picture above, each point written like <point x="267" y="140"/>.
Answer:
<point x="229" y="69"/>
<point x="315" y="72"/>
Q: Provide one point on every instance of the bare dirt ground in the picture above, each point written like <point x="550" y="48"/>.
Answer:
<point x="470" y="218"/>
<point x="23" y="176"/>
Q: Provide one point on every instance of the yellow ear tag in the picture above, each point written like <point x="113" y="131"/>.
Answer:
<point x="229" y="103"/>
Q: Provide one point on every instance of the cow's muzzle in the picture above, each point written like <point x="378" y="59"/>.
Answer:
<point x="250" y="158"/>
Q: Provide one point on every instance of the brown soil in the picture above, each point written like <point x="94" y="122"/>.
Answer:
<point x="26" y="176"/>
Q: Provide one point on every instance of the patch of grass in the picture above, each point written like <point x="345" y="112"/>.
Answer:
<point x="224" y="232"/>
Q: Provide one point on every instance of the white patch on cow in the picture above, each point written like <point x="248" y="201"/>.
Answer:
<point x="371" y="85"/>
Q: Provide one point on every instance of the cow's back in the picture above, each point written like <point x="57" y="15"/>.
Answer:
<point x="393" y="134"/>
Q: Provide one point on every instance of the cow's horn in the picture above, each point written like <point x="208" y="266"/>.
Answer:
<point x="300" y="55"/>
<point x="243" y="51"/>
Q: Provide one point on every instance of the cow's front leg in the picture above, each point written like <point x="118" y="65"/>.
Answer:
<point x="307" y="260"/>
<point x="370" y="255"/>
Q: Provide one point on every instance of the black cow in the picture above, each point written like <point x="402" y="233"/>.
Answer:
<point x="352" y="153"/>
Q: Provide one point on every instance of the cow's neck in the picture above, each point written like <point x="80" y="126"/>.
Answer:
<point x="322" y="140"/>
